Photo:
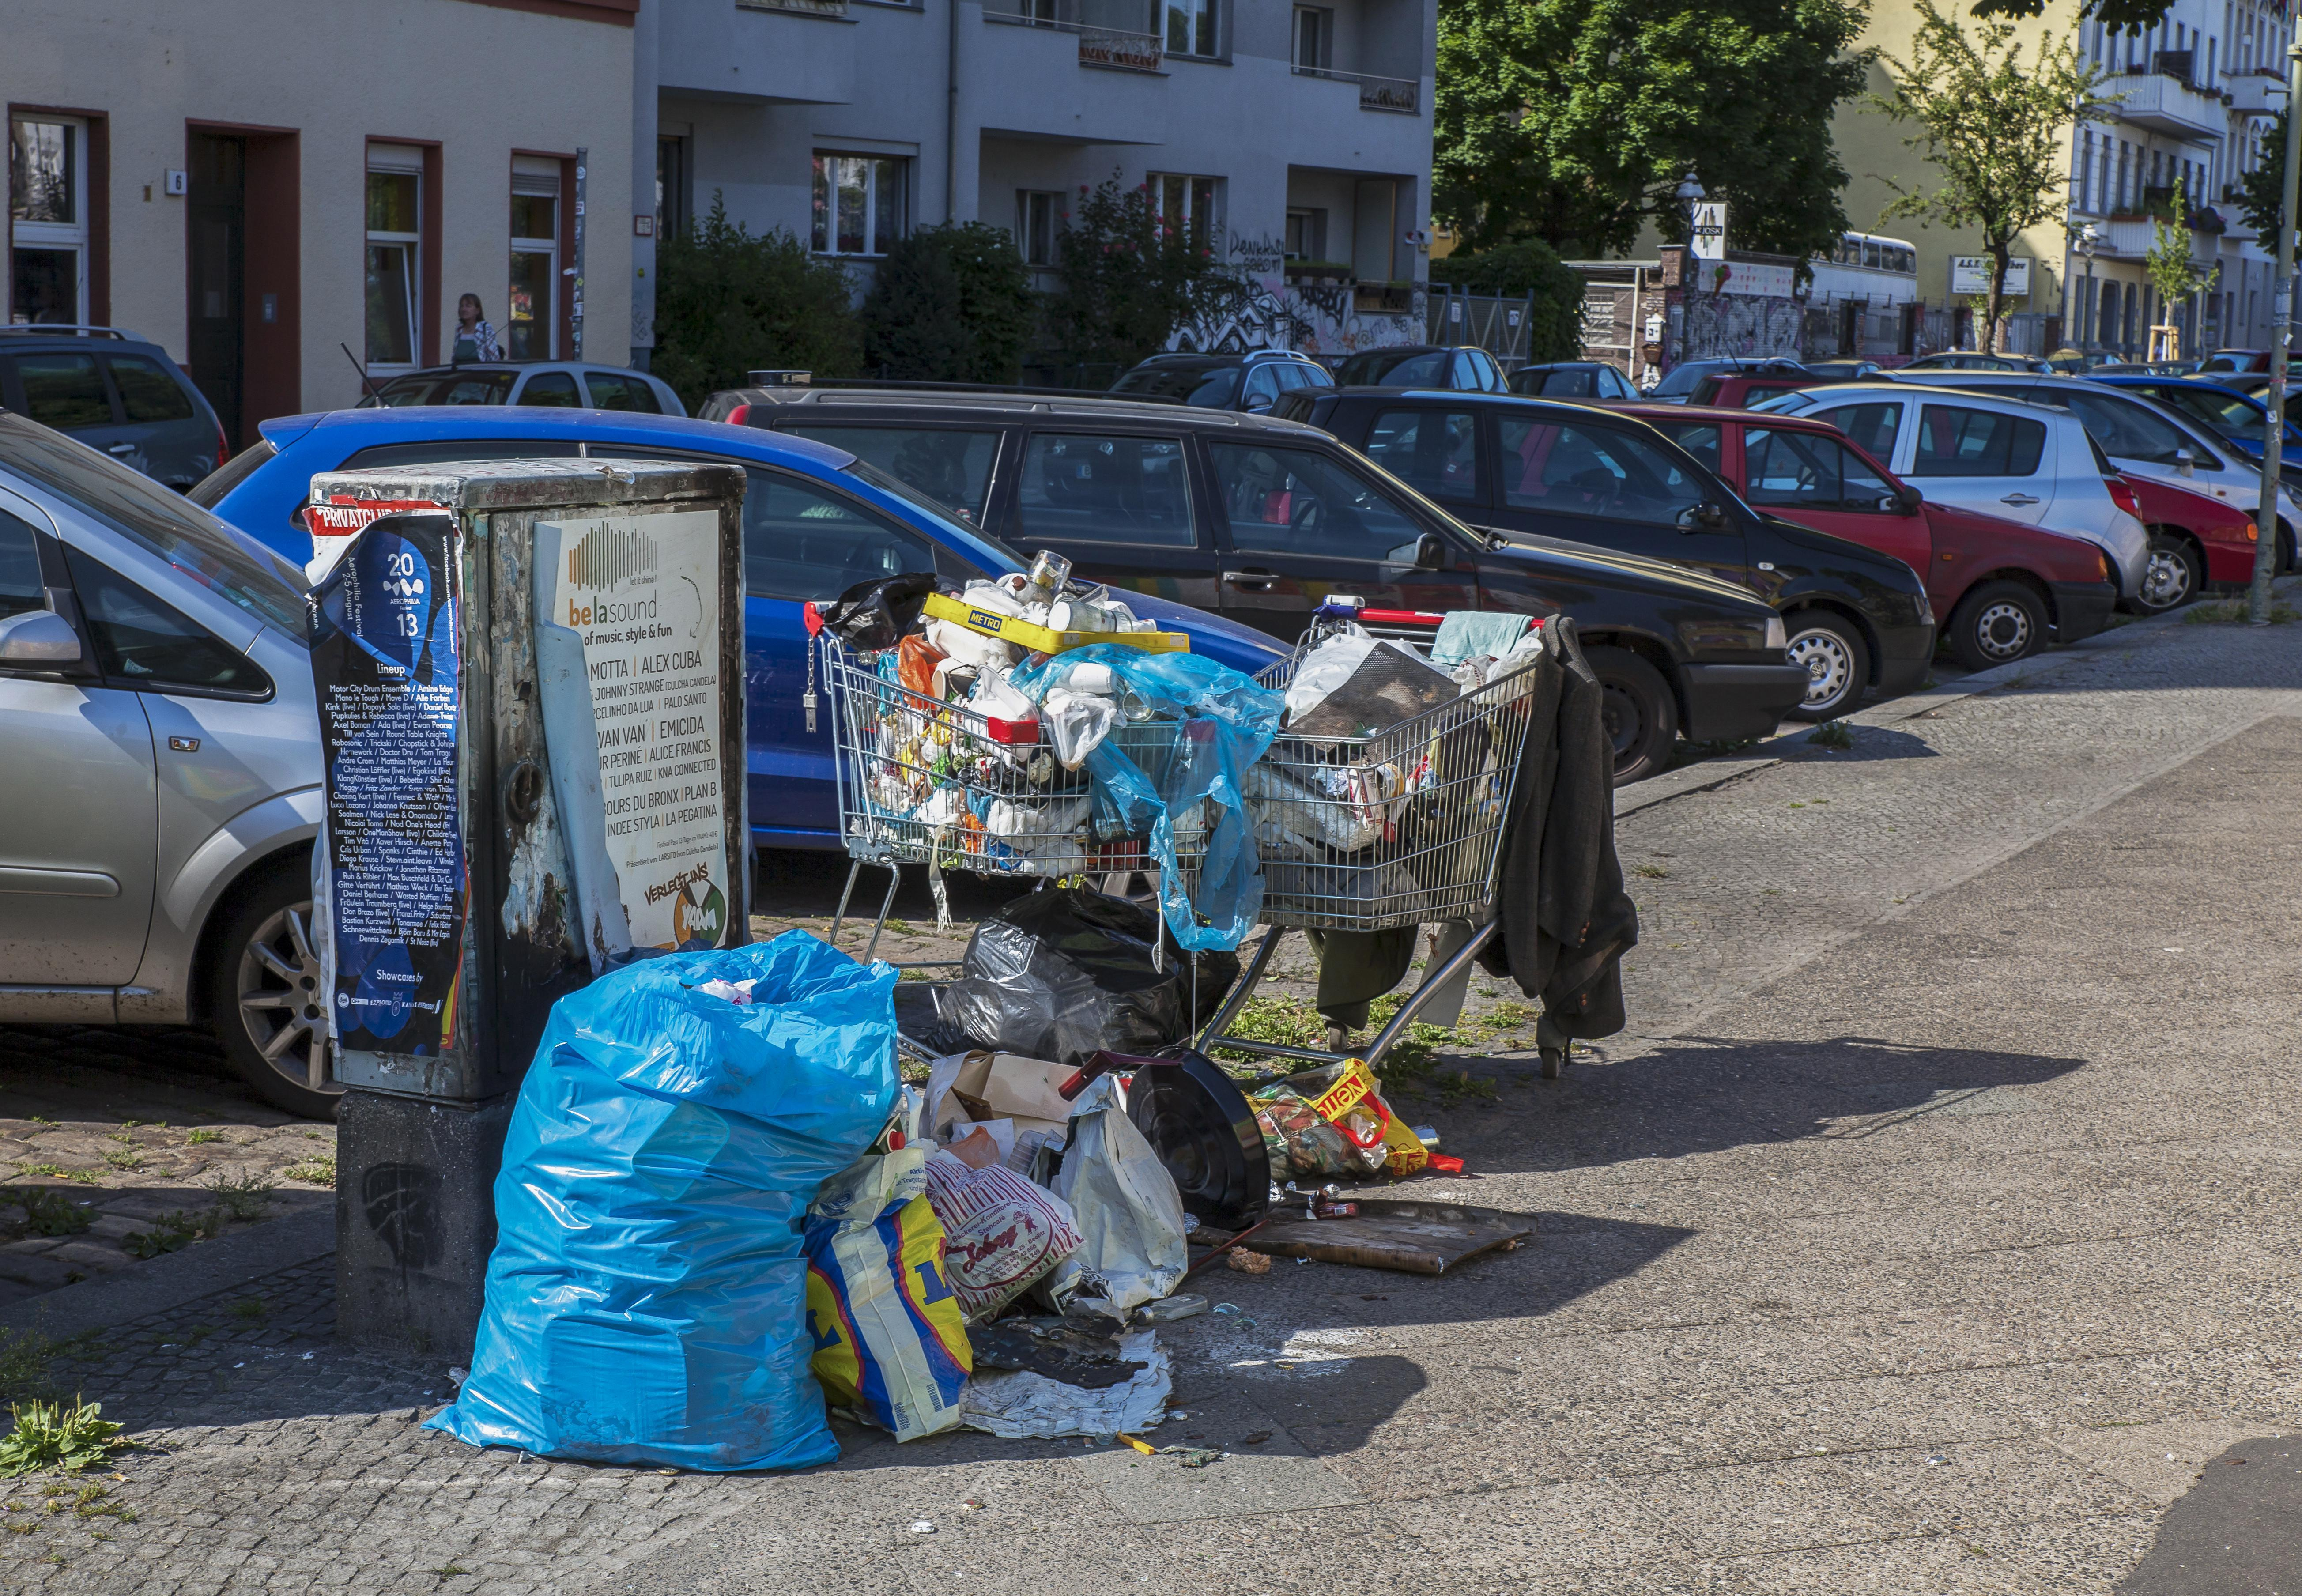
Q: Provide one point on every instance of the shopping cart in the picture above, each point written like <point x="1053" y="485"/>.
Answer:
<point x="928" y="783"/>
<point x="1375" y="832"/>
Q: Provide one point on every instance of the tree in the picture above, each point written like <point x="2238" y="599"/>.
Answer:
<point x="1528" y="266"/>
<point x="2264" y="188"/>
<point x="1574" y="121"/>
<point x="1994" y="127"/>
<point x="728" y="303"/>
<point x="2127" y="16"/>
<point x="1130" y="282"/>
<point x="950" y="304"/>
<point x="2169" y="266"/>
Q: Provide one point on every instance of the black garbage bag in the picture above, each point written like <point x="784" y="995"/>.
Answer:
<point x="1065" y="971"/>
<point x="875" y="615"/>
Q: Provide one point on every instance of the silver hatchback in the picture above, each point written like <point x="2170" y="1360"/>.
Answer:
<point x="159" y="768"/>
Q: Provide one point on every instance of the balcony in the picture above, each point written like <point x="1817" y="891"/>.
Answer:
<point x="806" y="8"/>
<point x="2166" y="105"/>
<point x="2250" y="91"/>
<point x="1111" y="49"/>
<point x="1402" y="95"/>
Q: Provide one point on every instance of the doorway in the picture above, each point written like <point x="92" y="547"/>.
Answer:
<point x="216" y="240"/>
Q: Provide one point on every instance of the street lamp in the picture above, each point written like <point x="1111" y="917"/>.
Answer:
<point x="2089" y="240"/>
<point x="1690" y="195"/>
<point x="2281" y="311"/>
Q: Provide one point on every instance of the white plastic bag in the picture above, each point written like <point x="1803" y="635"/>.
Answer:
<point x="1326" y="668"/>
<point x="1022" y="1405"/>
<point x="1126" y="1205"/>
<point x="1077" y="723"/>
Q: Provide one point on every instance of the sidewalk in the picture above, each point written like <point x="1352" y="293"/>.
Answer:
<point x="1931" y="1230"/>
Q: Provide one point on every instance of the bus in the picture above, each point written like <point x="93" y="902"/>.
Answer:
<point x="1867" y="267"/>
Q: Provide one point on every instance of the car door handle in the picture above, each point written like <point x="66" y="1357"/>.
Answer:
<point x="120" y="448"/>
<point x="1250" y="578"/>
<point x="2019" y="498"/>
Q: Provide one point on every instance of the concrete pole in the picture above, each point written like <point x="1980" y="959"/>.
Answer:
<point x="2281" y="311"/>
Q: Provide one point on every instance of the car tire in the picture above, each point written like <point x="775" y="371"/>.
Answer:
<point x="266" y="993"/>
<point x="1996" y="623"/>
<point x="2173" y="574"/>
<point x="1639" y="713"/>
<point x="1836" y="660"/>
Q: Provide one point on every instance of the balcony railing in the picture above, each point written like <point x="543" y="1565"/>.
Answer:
<point x="1115" y="49"/>
<point x="1375" y="94"/>
<point x="806" y="8"/>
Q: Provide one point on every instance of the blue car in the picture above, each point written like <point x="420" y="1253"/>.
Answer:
<point x="794" y="803"/>
<point x="2238" y="419"/>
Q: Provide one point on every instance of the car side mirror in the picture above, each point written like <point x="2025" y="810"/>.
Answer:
<point x="1260" y="406"/>
<point x="1703" y="517"/>
<point x="38" y="637"/>
<point x="1431" y="553"/>
<point x="1907" y="500"/>
<point x="2185" y="461"/>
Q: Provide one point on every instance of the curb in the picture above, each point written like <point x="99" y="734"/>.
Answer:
<point x="1712" y="773"/>
<point x="174" y="1279"/>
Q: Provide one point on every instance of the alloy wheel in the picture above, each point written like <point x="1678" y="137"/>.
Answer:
<point x="280" y="997"/>
<point x="2002" y="631"/>
<point x="1829" y="666"/>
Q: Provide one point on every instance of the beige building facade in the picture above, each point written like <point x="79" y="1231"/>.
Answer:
<point x="253" y="183"/>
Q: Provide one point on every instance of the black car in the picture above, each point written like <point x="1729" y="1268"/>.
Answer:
<point x="1422" y="366"/>
<point x="1573" y="379"/>
<point x="1252" y="381"/>
<point x="115" y="392"/>
<point x="1534" y="468"/>
<point x="1261" y="520"/>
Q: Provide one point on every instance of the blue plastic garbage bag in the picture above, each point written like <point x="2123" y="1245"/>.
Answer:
<point x="647" y="1298"/>
<point x="1229" y="723"/>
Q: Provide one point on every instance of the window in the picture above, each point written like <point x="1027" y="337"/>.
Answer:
<point x="1191" y="27"/>
<point x="1434" y="451"/>
<point x="1261" y="391"/>
<point x="949" y="465"/>
<point x="1583" y="382"/>
<point x="1873" y="426"/>
<point x="146" y="392"/>
<point x="1956" y="442"/>
<point x="1578" y="470"/>
<point x="671" y="214"/>
<point x="20" y="587"/>
<point x="2129" y="430"/>
<point x="395" y="182"/>
<point x="1187" y="205"/>
<point x="803" y="541"/>
<point x="48" y="214"/>
<point x="617" y="390"/>
<point x="553" y="389"/>
<point x="142" y="643"/>
<point x="1298" y="501"/>
<point x="1810" y="472"/>
<point x="859" y="204"/>
<point x="1315" y="38"/>
<point x="1083" y="489"/>
<point x="64" y="391"/>
<point x="531" y="325"/>
<point x="1307" y="234"/>
<point x="465" y="388"/>
<point x="1700" y="439"/>
<point x="1038" y="216"/>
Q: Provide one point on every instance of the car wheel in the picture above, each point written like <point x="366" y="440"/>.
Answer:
<point x="2171" y="576"/>
<point x="1997" y="624"/>
<point x="266" y="998"/>
<point x="1640" y="715"/>
<point x="1836" y="662"/>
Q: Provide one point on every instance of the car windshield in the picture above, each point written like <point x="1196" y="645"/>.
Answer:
<point x="220" y="558"/>
<point x="986" y="550"/>
<point x="1785" y="404"/>
<point x="446" y="388"/>
<point x="2228" y="414"/>
<point x="1210" y="383"/>
<point x="1392" y="368"/>
<point x="1682" y="379"/>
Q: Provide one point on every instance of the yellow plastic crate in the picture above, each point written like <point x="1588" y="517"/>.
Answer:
<point x="1045" y="639"/>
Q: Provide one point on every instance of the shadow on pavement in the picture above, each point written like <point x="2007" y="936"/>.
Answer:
<point x="2238" y="1532"/>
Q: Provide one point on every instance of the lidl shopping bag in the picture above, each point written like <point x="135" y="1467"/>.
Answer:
<point x="647" y="1298"/>
<point x="890" y="1341"/>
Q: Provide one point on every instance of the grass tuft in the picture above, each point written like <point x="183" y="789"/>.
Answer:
<point x="50" y="1435"/>
<point x="50" y="1213"/>
<point x="202" y="1136"/>
<point x="317" y="1171"/>
<point x="1835" y="735"/>
<point x="244" y="1197"/>
<point x="2234" y="612"/>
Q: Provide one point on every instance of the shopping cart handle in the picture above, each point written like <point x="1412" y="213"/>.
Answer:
<point x="1401" y="618"/>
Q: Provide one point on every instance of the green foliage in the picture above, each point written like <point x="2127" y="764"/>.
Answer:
<point x="1574" y="121"/>
<point x="1992" y="124"/>
<point x="1525" y="266"/>
<point x="950" y="304"/>
<point x="202" y="1136"/>
<point x="51" y="1435"/>
<point x="316" y="1171"/>
<point x="2169" y="266"/>
<point x="2264" y="188"/>
<point x="2127" y="16"/>
<point x="243" y="1197"/>
<point x="173" y="1232"/>
<point x="48" y="1212"/>
<point x="728" y="303"/>
<point x="1128" y="283"/>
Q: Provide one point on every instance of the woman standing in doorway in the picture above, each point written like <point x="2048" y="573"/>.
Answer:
<point x="475" y="339"/>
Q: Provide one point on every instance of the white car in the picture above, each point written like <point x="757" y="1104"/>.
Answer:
<point x="552" y="385"/>
<point x="1997" y="456"/>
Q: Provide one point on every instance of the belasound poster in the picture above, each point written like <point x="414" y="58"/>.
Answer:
<point x="644" y="593"/>
<point x="386" y="662"/>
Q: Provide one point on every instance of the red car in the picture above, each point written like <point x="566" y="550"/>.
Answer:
<point x="2000" y="589"/>
<point x="1740" y="390"/>
<point x="2214" y="537"/>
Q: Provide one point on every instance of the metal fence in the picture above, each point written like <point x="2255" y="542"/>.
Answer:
<point x="1497" y="324"/>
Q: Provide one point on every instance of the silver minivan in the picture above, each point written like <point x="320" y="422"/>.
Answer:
<point x="159" y="768"/>
<point x="1998" y="457"/>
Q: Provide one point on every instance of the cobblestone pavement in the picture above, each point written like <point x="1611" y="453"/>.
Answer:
<point x="1930" y="1246"/>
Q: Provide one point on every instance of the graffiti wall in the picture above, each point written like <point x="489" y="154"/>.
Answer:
<point x="1265" y="311"/>
<point x="1712" y="325"/>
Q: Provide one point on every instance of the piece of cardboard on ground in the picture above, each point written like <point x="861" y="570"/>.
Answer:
<point x="1421" y="1238"/>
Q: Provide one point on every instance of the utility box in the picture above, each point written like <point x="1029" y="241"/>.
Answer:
<point x="531" y="692"/>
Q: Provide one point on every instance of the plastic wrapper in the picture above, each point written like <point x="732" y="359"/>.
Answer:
<point x="1077" y="723"/>
<point x="1064" y="972"/>
<point x="1001" y="1233"/>
<point x="1024" y="1406"/>
<point x="1126" y="1206"/>
<point x="1352" y="686"/>
<point x="890" y="1338"/>
<point x="647" y="1297"/>
<point x="1327" y="1122"/>
<point x="916" y="663"/>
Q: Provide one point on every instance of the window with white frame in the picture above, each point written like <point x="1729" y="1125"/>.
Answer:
<point x="1307" y="233"/>
<point x="395" y="247"/>
<point x="1315" y="38"/>
<point x="47" y="215"/>
<point x="532" y="320"/>
<point x="1187" y="205"/>
<point x="1193" y="28"/>
<point x="1039" y="220"/>
<point x="858" y="203"/>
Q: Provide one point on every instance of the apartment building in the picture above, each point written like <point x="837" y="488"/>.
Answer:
<point x="262" y="185"/>
<point x="1296" y="139"/>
